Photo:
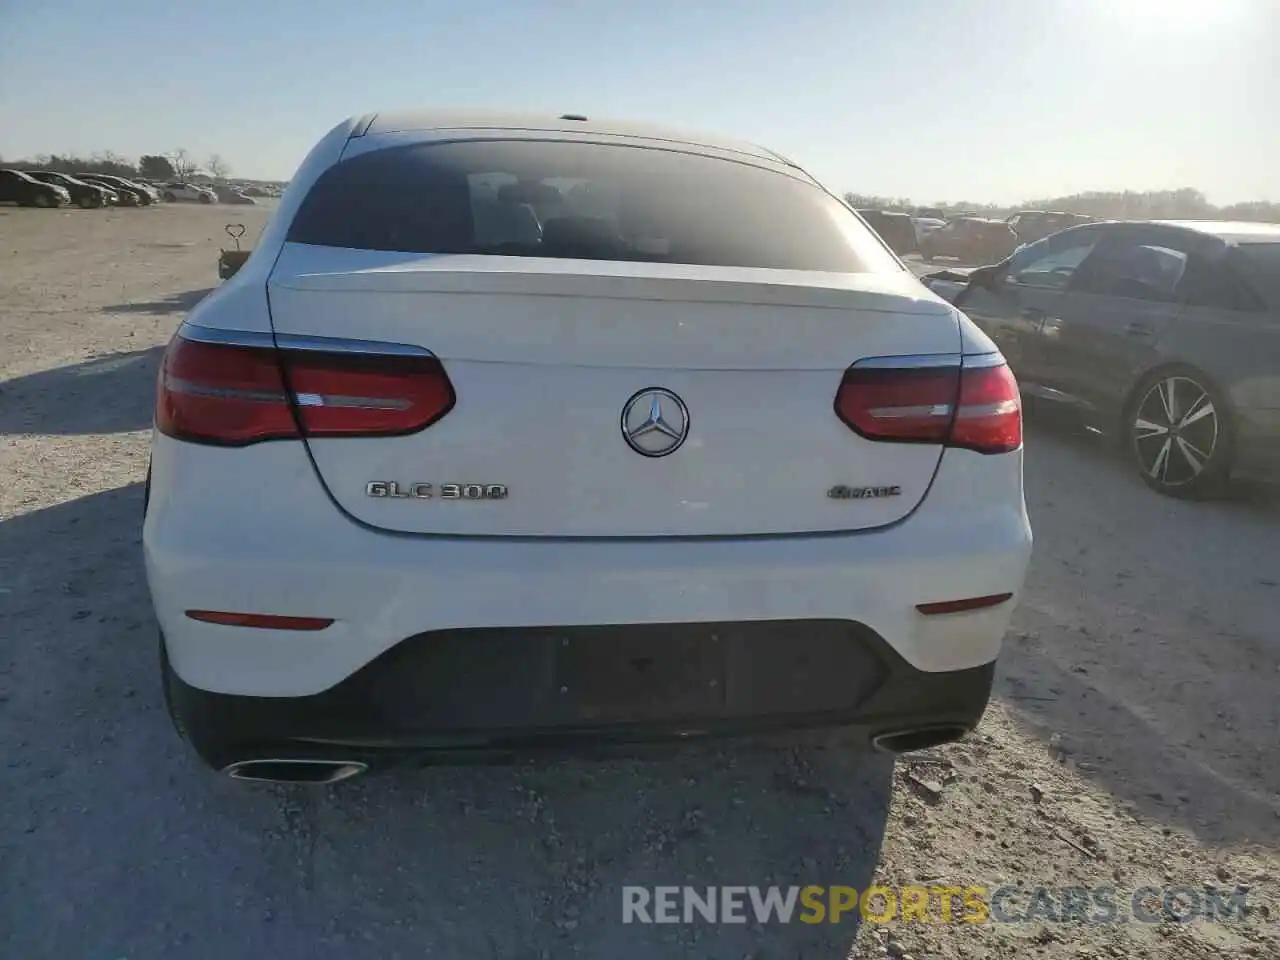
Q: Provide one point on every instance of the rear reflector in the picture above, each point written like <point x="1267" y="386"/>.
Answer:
<point x="263" y="621"/>
<point x="960" y="606"/>
<point x="232" y="395"/>
<point x="974" y="404"/>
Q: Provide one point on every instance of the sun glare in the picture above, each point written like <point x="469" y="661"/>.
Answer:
<point x="1172" y="14"/>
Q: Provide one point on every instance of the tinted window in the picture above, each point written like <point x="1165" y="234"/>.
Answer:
<point x="1051" y="263"/>
<point x="592" y="201"/>
<point x="1206" y="284"/>
<point x="1260" y="262"/>
<point x="1138" y="271"/>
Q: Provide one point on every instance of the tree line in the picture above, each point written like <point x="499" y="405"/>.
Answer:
<point x="175" y="165"/>
<point x="1184" y="204"/>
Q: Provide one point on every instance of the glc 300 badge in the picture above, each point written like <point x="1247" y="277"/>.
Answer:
<point x="863" y="493"/>
<point x="393" y="490"/>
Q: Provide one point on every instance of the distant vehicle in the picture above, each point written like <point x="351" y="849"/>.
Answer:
<point x="931" y="213"/>
<point x="178" y="192"/>
<point x="1165" y="334"/>
<point x="83" y="193"/>
<point x="970" y="240"/>
<point x="26" y="191"/>
<point x="229" y="194"/>
<point x="331" y="544"/>
<point x="131" y="194"/>
<point x="895" y="229"/>
<point x="924" y="226"/>
<point x="1033" y="225"/>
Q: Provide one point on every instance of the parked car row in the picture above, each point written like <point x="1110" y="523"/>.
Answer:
<point x="48" y="188"/>
<point x="131" y="193"/>
<point x="964" y="237"/>
<point x="1164" y="335"/>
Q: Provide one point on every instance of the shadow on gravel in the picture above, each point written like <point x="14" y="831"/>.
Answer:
<point x="1145" y="642"/>
<point x="117" y="844"/>
<point x="111" y="394"/>
<point x="177" y="303"/>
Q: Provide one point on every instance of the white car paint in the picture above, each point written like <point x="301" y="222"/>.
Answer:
<point x="736" y="525"/>
<point x="187" y="193"/>
<point x="925" y="226"/>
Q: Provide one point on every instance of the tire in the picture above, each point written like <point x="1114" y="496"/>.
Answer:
<point x="202" y="739"/>
<point x="170" y="198"/>
<point x="1178" y="433"/>
<point x="85" y="202"/>
<point x="42" y="200"/>
<point x="205" y="199"/>
<point x="166" y="681"/>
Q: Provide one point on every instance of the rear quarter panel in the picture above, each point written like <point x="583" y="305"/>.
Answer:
<point x="1239" y="351"/>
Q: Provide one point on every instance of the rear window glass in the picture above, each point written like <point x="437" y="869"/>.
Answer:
<point x="529" y="198"/>
<point x="1261" y="262"/>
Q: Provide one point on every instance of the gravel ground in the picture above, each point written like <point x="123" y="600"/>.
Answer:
<point x="1132" y="741"/>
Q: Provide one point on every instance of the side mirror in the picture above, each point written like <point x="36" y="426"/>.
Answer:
<point x="989" y="278"/>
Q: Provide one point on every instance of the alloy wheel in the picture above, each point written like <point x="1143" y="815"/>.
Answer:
<point x="1176" y="431"/>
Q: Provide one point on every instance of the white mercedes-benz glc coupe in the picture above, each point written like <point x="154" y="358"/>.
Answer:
<point x="517" y="431"/>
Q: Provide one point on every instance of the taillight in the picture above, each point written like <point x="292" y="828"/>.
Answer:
<point x="234" y="395"/>
<point x="359" y="395"/>
<point x="972" y="404"/>
<point x="222" y="394"/>
<point x="989" y="416"/>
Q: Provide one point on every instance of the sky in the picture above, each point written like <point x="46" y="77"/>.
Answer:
<point x="981" y="100"/>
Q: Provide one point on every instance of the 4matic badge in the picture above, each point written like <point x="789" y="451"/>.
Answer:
<point x="863" y="493"/>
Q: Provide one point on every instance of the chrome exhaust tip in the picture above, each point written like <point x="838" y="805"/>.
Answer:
<point x="917" y="738"/>
<point x="293" y="770"/>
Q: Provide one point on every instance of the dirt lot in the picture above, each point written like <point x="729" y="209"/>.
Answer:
<point x="1133" y="740"/>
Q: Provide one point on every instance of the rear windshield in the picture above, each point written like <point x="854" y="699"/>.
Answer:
<point x="528" y="198"/>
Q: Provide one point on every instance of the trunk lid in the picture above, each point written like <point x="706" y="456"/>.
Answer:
<point x="544" y="355"/>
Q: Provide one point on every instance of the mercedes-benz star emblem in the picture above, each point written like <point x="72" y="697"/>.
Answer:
<point x="655" y="422"/>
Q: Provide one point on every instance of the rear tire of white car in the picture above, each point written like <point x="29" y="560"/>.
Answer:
<point x="167" y="678"/>
<point x="205" y="198"/>
<point x="170" y="198"/>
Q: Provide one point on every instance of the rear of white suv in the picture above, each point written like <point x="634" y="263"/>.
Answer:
<point x="545" y="431"/>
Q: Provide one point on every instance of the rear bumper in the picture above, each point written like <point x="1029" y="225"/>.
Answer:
<point x="466" y="693"/>
<point x="217" y="538"/>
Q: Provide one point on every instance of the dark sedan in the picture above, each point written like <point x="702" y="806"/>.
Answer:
<point x="131" y="194"/>
<point x="83" y="193"/>
<point x="895" y="229"/>
<point x="970" y="240"/>
<point x="17" y="187"/>
<point x="1166" y="334"/>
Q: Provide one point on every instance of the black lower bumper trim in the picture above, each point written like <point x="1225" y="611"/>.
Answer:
<point x="468" y="692"/>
